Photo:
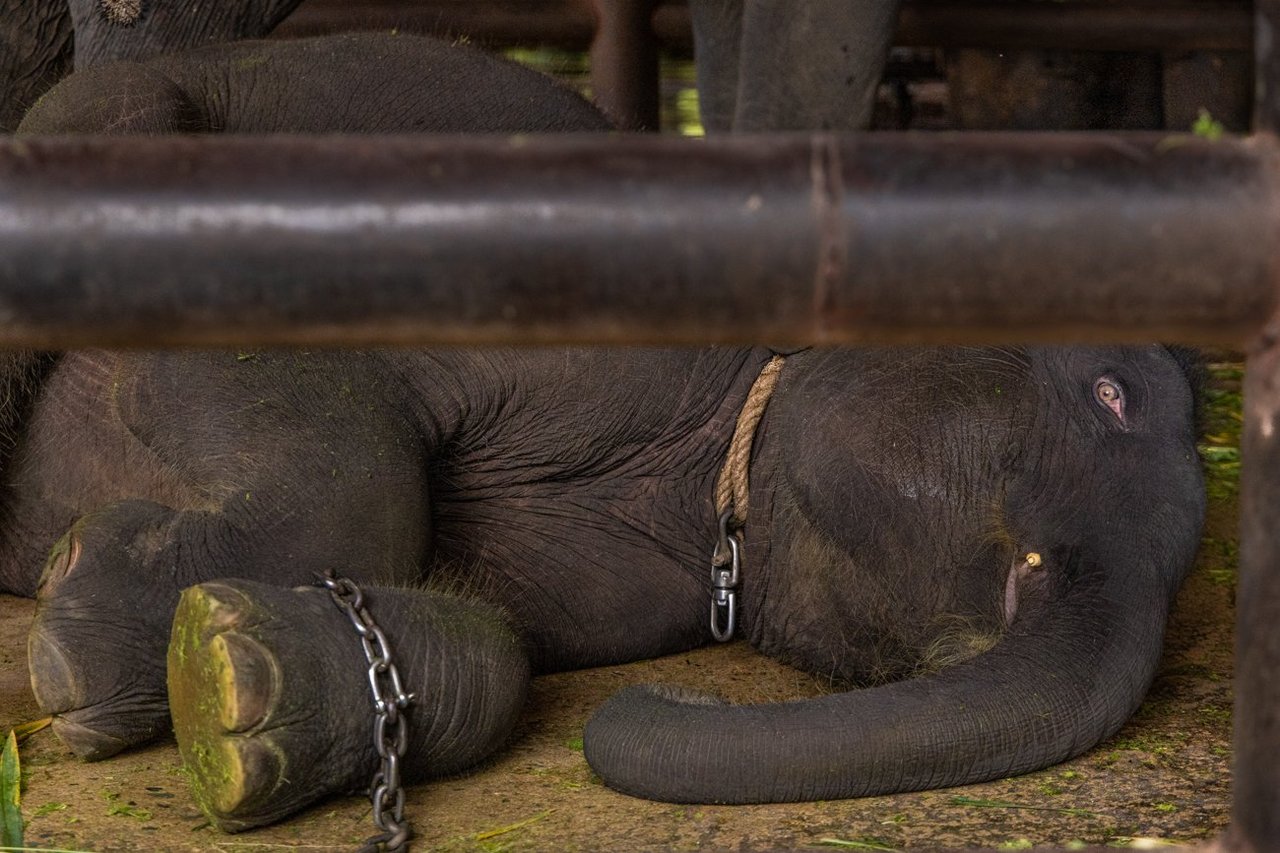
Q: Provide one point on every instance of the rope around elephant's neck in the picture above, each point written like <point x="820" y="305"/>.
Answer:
<point x="731" y="497"/>
<point x="732" y="487"/>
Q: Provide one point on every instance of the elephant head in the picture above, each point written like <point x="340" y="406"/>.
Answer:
<point x="1034" y="510"/>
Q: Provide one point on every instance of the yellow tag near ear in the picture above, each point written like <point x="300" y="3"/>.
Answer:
<point x="1033" y="559"/>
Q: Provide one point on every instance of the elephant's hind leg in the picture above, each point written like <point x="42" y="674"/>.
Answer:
<point x="271" y="701"/>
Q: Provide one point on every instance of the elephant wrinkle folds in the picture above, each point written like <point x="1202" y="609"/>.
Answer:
<point x="928" y="525"/>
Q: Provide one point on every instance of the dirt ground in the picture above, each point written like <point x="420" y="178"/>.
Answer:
<point x="1165" y="776"/>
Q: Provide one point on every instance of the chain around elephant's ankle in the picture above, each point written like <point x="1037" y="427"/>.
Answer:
<point x="390" y="727"/>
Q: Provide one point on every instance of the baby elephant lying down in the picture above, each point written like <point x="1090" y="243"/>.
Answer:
<point x="983" y="542"/>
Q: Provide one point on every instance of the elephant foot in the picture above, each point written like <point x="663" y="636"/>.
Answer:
<point x="254" y="672"/>
<point x="96" y="647"/>
<point x="271" y="702"/>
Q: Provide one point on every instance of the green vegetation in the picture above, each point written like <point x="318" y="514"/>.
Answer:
<point x="973" y="802"/>
<point x="49" y="808"/>
<point x="10" y="794"/>
<point x="1207" y="127"/>
<point x="1220" y="444"/>
<point x="678" y="99"/>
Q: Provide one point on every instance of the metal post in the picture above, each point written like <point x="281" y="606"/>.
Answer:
<point x="1266" y="116"/>
<point x="1145" y="25"/>
<point x="1255" y="818"/>
<point x="1099" y="25"/>
<point x="624" y="63"/>
<point x="803" y="238"/>
<point x="1256" y="778"/>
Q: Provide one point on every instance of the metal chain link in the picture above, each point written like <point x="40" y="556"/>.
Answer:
<point x="390" y="727"/>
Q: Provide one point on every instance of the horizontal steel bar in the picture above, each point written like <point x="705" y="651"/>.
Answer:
<point x="1138" y="25"/>
<point x="1105" y="25"/>
<point x="800" y="238"/>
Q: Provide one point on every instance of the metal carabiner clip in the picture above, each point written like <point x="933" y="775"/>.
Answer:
<point x="726" y="564"/>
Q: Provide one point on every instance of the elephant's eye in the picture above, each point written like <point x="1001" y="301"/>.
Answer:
<point x="1109" y="394"/>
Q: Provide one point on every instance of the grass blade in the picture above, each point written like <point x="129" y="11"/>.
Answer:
<point x="858" y="844"/>
<point x="512" y="827"/>
<point x="10" y="794"/>
<point x="26" y="730"/>
<point x="1005" y="804"/>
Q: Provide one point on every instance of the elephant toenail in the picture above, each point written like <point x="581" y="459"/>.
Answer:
<point x="223" y="607"/>
<point x="89" y="744"/>
<point x="55" y="687"/>
<point x="246" y="680"/>
<point x="250" y="772"/>
<point x="62" y="559"/>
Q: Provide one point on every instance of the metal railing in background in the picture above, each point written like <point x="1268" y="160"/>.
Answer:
<point x="626" y="36"/>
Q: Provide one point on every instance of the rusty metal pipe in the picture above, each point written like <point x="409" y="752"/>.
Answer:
<point x="1255" y="821"/>
<point x="1137" y="25"/>
<point x="1255" y="802"/>
<point x="797" y="238"/>
<point x="624" y="63"/>
<point x="1151" y="25"/>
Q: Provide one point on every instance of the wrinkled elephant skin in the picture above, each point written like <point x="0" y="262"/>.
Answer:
<point x="982" y="543"/>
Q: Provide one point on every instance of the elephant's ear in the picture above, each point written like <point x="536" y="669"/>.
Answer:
<point x="1194" y="366"/>
<point x="118" y="99"/>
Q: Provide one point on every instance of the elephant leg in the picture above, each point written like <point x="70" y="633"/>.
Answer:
<point x="186" y="467"/>
<point x="272" y="704"/>
<point x="717" y="36"/>
<point x="812" y="66"/>
<point x="106" y="599"/>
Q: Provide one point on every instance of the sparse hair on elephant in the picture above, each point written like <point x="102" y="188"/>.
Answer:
<point x="123" y="12"/>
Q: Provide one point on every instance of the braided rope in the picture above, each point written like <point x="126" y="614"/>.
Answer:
<point x="732" y="487"/>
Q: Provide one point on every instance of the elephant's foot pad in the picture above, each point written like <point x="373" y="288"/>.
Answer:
<point x="223" y="686"/>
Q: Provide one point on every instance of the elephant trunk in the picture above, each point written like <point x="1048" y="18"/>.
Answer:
<point x="1067" y="674"/>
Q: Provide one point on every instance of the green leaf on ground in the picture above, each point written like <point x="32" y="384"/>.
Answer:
<point x="10" y="794"/>
<point x="127" y="810"/>
<point x="26" y="730"/>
